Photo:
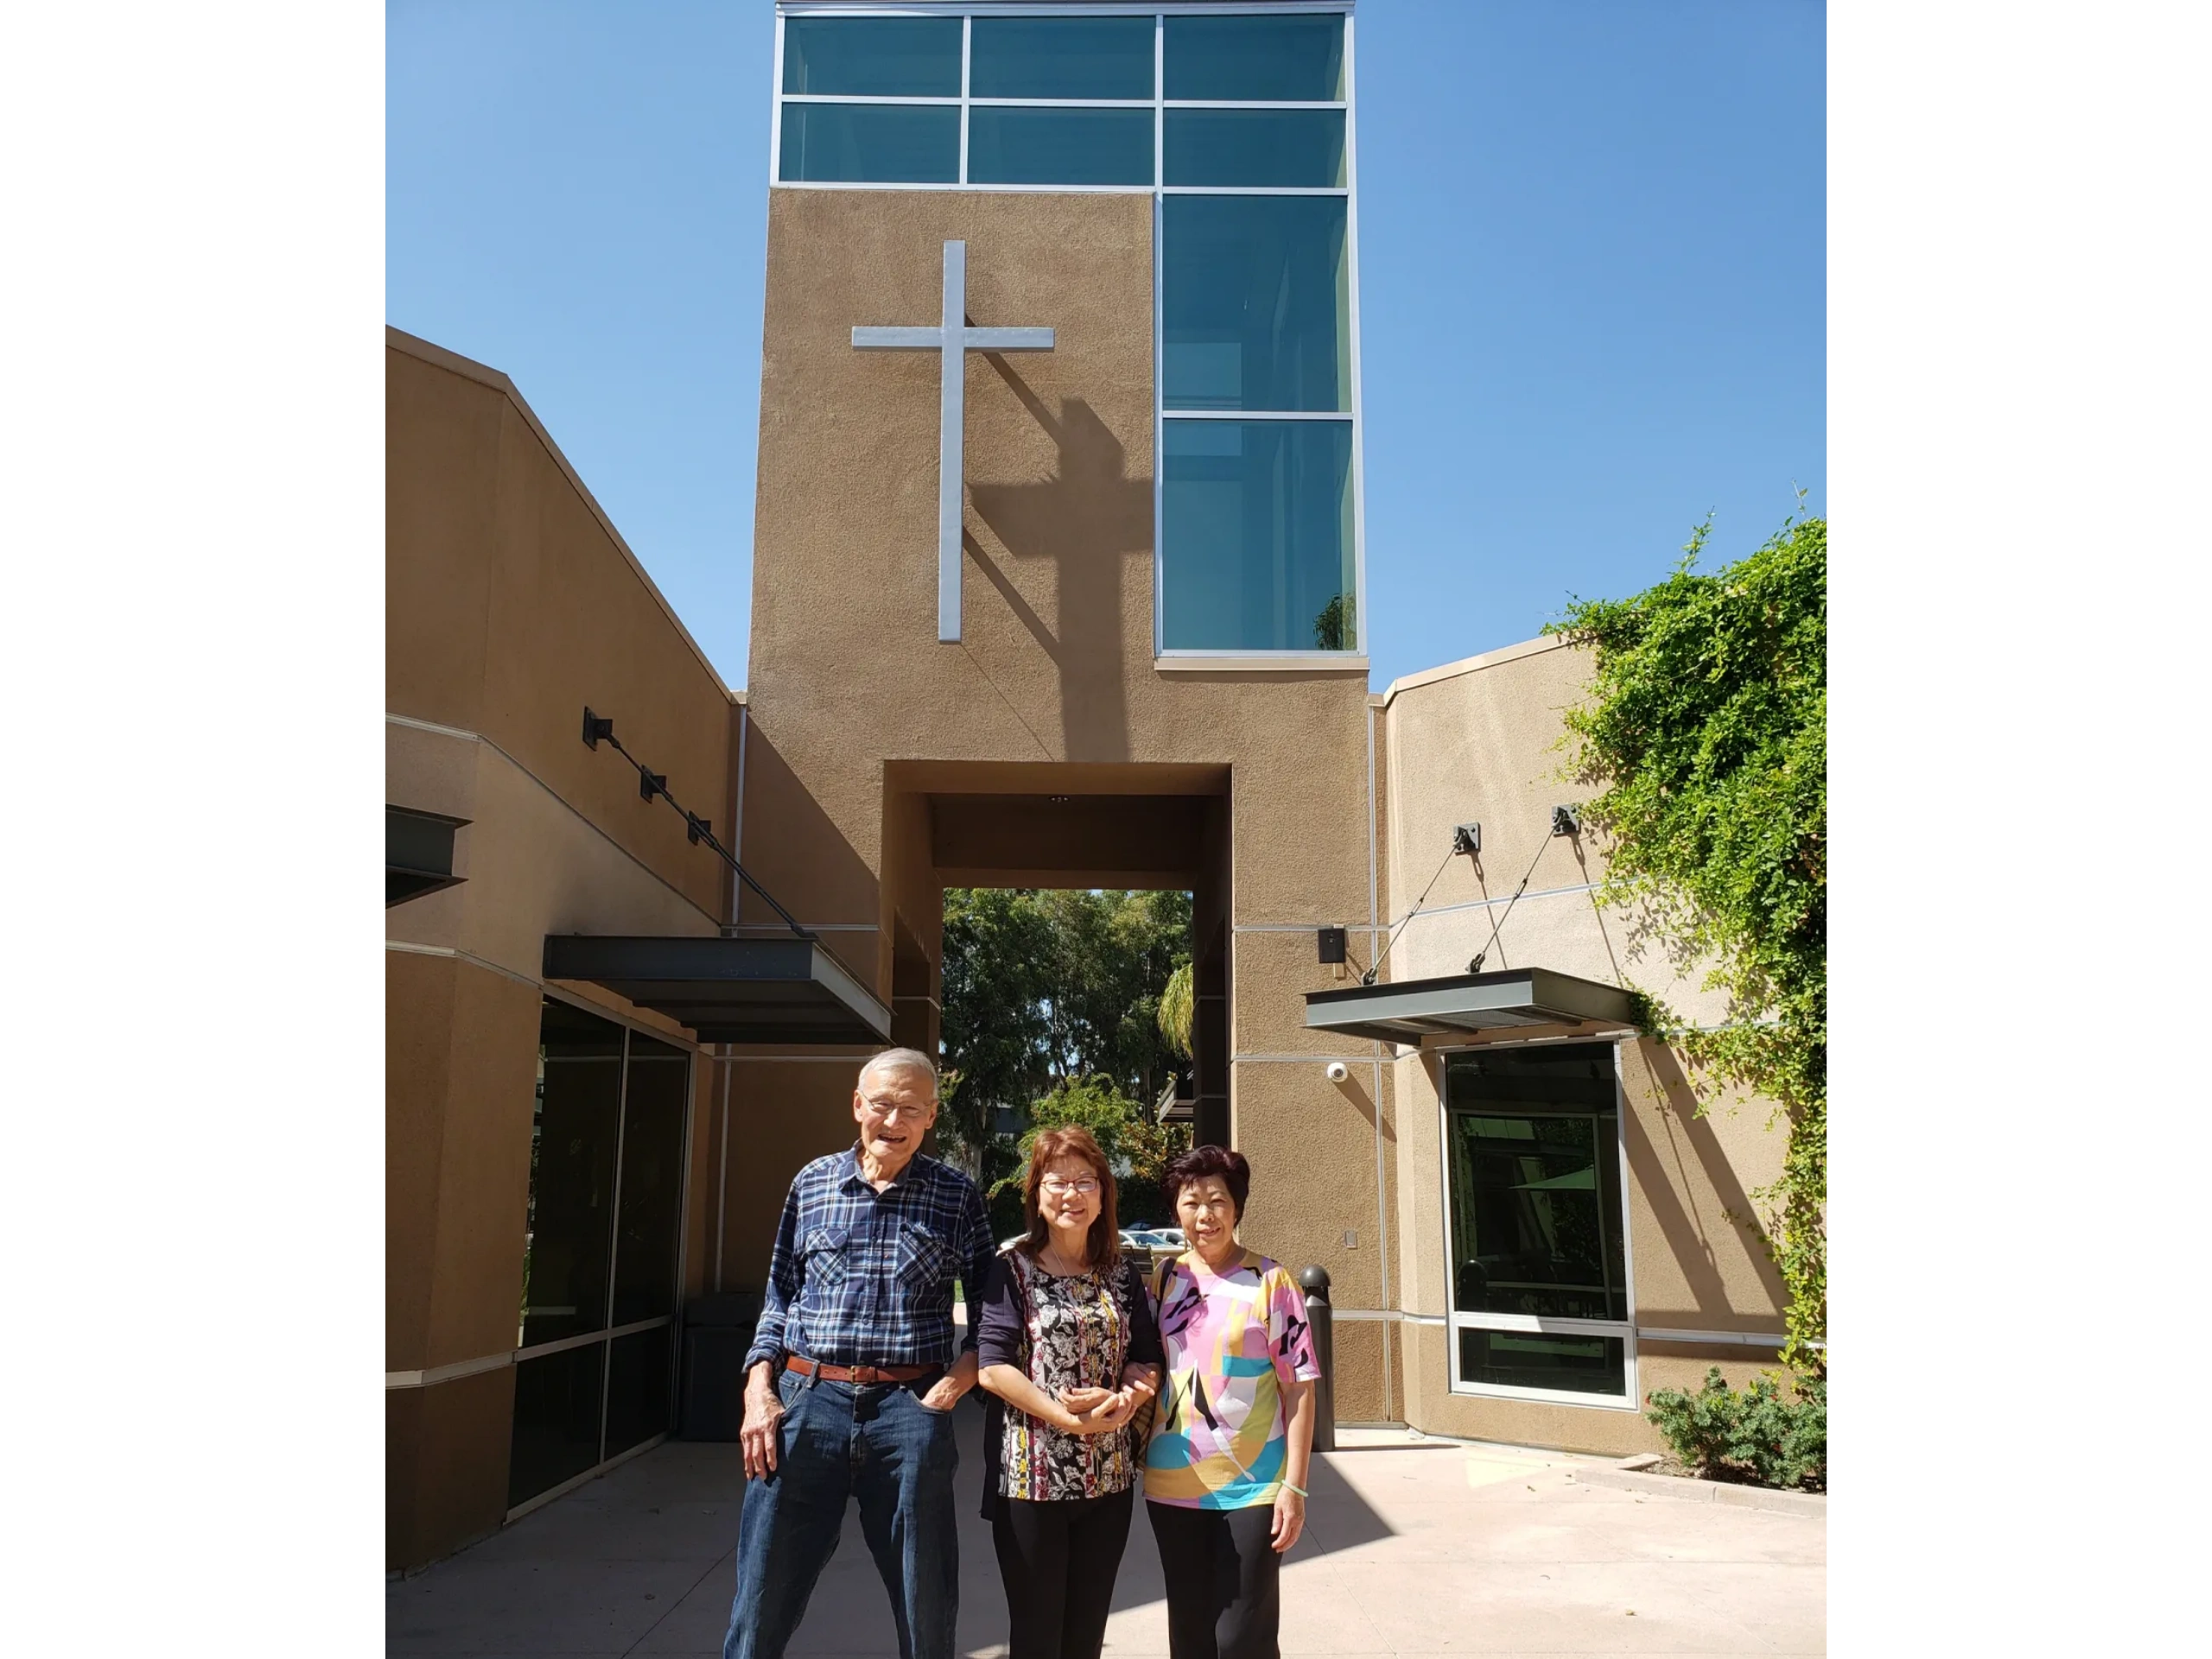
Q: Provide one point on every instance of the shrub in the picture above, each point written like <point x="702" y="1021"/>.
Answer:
<point x="1756" y="1435"/>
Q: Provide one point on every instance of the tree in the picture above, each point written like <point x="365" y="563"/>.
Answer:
<point x="1043" y="986"/>
<point x="1179" y="1009"/>
<point x="1053" y="1004"/>
<point x="1108" y="955"/>
<point x="1090" y="1102"/>
<point x="993" y="1028"/>
<point x="1337" y="627"/>
<point x="1136" y="1146"/>
<point x="1706" y="730"/>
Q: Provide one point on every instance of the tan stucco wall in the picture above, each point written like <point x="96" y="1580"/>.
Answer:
<point x="459" y="1062"/>
<point x="511" y="602"/>
<point x="446" y="1451"/>
<point x="1055" y="671"/>
<point x="536" y="864"/>
<point x="1480" y="740"/>
<point x="460" y="1052"/>
<point x="783" y="1112"/>
<point x="1699" y="1264"/>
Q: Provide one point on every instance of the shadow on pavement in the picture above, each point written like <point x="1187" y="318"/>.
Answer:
<point x="642" y="1561"/>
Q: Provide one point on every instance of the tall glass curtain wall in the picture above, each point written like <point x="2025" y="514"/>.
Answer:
<point x="1539" y="1277"/>
<point x="593" y="1350"/>
<point x="1258" y="461"/>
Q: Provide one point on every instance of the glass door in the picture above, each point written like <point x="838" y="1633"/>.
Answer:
<point x="593" y="1346"/>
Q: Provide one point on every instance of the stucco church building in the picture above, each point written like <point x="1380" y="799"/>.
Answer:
<point x="1058" y="581"/>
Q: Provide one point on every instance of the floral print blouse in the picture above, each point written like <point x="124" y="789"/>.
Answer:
<point x="1073" y="1331"/>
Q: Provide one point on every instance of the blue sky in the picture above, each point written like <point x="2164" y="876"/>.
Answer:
<point x="1592" y="271"/>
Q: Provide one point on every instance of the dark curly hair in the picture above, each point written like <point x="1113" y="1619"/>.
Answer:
<point x="1198" y="1163"/>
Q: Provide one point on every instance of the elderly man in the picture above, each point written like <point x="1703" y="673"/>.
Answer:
<point x="852" y="1377"/>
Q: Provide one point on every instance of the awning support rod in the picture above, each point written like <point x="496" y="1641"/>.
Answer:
<point x="696" y="829"/>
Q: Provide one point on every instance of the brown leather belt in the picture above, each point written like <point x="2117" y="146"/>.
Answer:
<point x="864" y="1375"/>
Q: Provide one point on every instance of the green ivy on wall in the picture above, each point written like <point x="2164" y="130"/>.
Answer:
<point x="1706" y="733"/>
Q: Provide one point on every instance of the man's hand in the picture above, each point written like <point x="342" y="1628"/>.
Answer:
<point x="945" y="1393"/>
<point x="764" y="1416"/>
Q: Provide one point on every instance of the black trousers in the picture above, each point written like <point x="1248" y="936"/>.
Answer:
<point x="1059" y="1560"/>
<point x="1223" y="1580"/>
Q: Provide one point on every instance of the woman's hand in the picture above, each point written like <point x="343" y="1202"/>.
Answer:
<point x="1140" y="1380"/>
<point x="1289" y="1520"/>
<point x="1114" y="1409"/>
<point x="1080" y="1401"/>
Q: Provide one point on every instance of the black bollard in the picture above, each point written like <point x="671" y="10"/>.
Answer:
<point x="1319" y="1315"/>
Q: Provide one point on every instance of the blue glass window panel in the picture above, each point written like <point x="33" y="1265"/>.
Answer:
<point x="1256" y="302"/>
<point x="1256" y="535"/>
<point x="1255" y="147"/>
<point x="872" y="143"/>
<point x="1298" y="59"/>
<point x="1022" y="146"/>
<point x="1060" y="57"/>
<point x="873" y="57"/>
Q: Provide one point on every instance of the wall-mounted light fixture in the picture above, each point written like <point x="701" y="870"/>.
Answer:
<point x="1331" y="942"/>
<point x="1337" y="1071"/>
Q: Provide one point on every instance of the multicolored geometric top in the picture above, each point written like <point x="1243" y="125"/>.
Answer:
<point x="1072" y="1331"/>
<point x="1234" y="1341"/>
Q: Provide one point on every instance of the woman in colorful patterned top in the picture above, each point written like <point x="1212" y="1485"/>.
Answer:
<point x="1069" y="1346"/>
<point x="1225" y="1472"/>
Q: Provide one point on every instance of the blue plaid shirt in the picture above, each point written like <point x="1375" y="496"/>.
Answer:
<point x="860" y="1277"/>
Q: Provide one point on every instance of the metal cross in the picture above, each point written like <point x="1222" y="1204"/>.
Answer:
<point x="954" y="339"/>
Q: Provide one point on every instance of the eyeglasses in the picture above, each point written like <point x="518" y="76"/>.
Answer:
<point x="1058" y="1188"/>
<point x="890" y="1110"/>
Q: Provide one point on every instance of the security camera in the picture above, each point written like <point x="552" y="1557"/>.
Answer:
<point x="1337" y="1071"/>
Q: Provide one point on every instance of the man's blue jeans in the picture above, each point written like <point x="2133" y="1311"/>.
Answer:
<point x="836" y="1442"/>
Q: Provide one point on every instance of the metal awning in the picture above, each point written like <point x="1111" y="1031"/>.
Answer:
<point x="728" y="990"/>
<point x="417" y="853"/>
<point x="1464" y="1004"/>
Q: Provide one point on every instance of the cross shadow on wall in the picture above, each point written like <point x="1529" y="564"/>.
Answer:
<point x="1088" y="518"/>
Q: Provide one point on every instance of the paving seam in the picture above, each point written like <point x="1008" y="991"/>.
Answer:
<point x="726" y="1556"/>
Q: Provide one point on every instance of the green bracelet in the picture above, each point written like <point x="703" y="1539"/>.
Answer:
<point x="1300" y="1490"/>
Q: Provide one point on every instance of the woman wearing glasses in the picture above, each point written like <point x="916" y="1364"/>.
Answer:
<point x="1069" y="1354"/>
<point x="1225" y="1470"/>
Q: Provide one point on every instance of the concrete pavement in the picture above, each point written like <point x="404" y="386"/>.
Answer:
<point x="1412" y="1548"/>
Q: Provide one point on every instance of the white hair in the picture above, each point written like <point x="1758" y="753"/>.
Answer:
<point x="900" y="1059"/>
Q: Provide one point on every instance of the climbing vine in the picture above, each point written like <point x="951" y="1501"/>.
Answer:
<point x="1705" y="731"/>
